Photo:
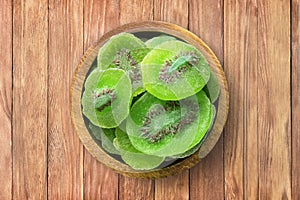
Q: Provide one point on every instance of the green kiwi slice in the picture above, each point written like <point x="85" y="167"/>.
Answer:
<point x="188" y="152"/>
<point x="107" y="97"/>
<point x="212" y="88"/>
<point x="167" y="128"/>
<point x="96" y="131"/>
<point x="106" y="136"/>
<point x="198" y="145"/>
<point x="205" y="119"/>
<point x="124" y="51"/>
<point x="174" y="70"/>
<point x="131" y="156"/>
<point x="153" y="42"/>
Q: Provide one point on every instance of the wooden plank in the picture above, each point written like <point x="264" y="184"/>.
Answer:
<point x="6" y="99"/>
<point x="65" y="156"/>
<point x="241" y="157"/>
<point x="241" y="153"/>
<point x="233" y="137"/>
<point x="208" y="174"/>
<point x="175" y="187"/>
<point x="295" y="99"/>
<point x="175" y="12"/>
<point x="274" y="111"/>
<point x="135" y="10"/>
<point x="131" y="188"/>
<point x="30" y="36"/>
<point x="99" y="18"/>
<point x="206" y="20"/>
<point x="251" y="133"/>
<point x="100" y="182"/>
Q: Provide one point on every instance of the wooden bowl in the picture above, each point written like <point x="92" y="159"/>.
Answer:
<point x="96" y="150"/>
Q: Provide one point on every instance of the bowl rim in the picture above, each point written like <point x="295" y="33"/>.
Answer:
<point x="78" y="84"/>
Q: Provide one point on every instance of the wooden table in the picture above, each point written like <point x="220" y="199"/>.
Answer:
<point x="258" y="43"/>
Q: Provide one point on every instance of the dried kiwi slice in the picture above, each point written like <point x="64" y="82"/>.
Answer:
<point x="206" y="117"/>
<point x="108" y="52"/>
<point x="167" y="128"/>
<point x="124" y="51"/>
<point x="212" y="88"/>
<point x="174" y="70"/>
<point x="153" y="42"/>
<point x="134" y="158"/>
<point x="188" y="152"/>
<point x="106" y="137"/>
<point x="107" y="97"/>
<point x="197" y="146"/>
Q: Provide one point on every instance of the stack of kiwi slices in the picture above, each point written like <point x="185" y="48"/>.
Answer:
<point x="149" y="102"/>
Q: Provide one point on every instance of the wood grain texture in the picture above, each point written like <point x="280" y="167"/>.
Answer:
<point x="174" y="12"/>
<point x="274" y="126"/>
<point x="132" y="188"/>
<point x="6" y="99"/>
<point x="295" y="99"/>
<point x="208" y="174"/>
<point x="41" y="42"/>
<point x="240" y="36"/>
<point x="30" y="60"/>
<point x="233" y="137"/>
<point x="65" y="156"/>
<point x="135" y="10"/>
<point x="100" y="182"/>
<point x="206" y="20"/>
<point x="173" y="188"/>
<point x="99" y="18"/>
<point x="251" y="133"/>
